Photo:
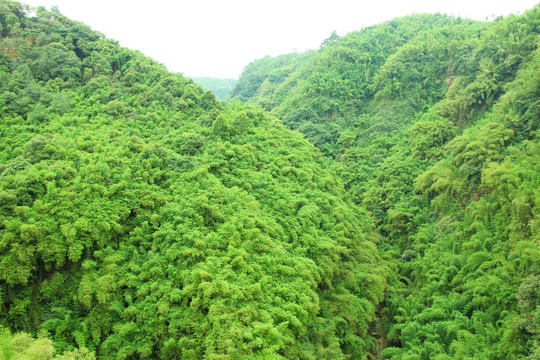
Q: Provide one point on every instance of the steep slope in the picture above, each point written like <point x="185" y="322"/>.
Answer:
<point x="351" y="81"/>
<point x="267" y="81"/>
<point x="433" y="125"/>
<point x="142" y="218"/>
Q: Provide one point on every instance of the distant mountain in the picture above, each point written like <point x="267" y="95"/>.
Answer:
<point x="220" y="87"/>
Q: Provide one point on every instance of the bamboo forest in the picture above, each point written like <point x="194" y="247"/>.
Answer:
<point x="375" y="198"/>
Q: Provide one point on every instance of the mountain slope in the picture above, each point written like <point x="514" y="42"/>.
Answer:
<point x="433" y="125"/>
<point x="142" y="218"/>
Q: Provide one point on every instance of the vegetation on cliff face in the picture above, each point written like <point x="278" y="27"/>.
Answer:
<point x="140" y="217"/>
<point x="433" y="125"/>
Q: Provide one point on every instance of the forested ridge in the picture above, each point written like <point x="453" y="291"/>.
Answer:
<point x="141" y="217"/>
<point x="432" y="122"/>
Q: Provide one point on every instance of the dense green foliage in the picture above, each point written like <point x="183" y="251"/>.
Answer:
<point x="22" y="346"/>
<point x="142" y="218"/>
<point x="433" y="125"/>
<point x="220" y="87"/>
<point x="267" y="79"/>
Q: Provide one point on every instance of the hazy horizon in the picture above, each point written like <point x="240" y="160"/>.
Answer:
<point x="218" y="39"/>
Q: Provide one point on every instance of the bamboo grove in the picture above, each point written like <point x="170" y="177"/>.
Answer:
<point x="375" y="198"/>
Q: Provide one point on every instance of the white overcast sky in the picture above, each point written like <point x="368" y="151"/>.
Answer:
<point x="219" y="37"/>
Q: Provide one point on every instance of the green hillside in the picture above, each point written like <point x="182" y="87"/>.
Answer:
<point x="432" y="122"/>
<point x="376" y="198"/>
<point x="142" y="218"/>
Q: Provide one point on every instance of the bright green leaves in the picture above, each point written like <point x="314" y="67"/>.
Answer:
<point x="429" y="134"/>
<point x="221" y="127"/>
<point x="478" y="250"/>
<point x="459" y="176"/>
<point x="56" y="60"/>
<point x="22" y="346"/>
<point x="432" y="121"/>
<point x="140" y="217"/>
